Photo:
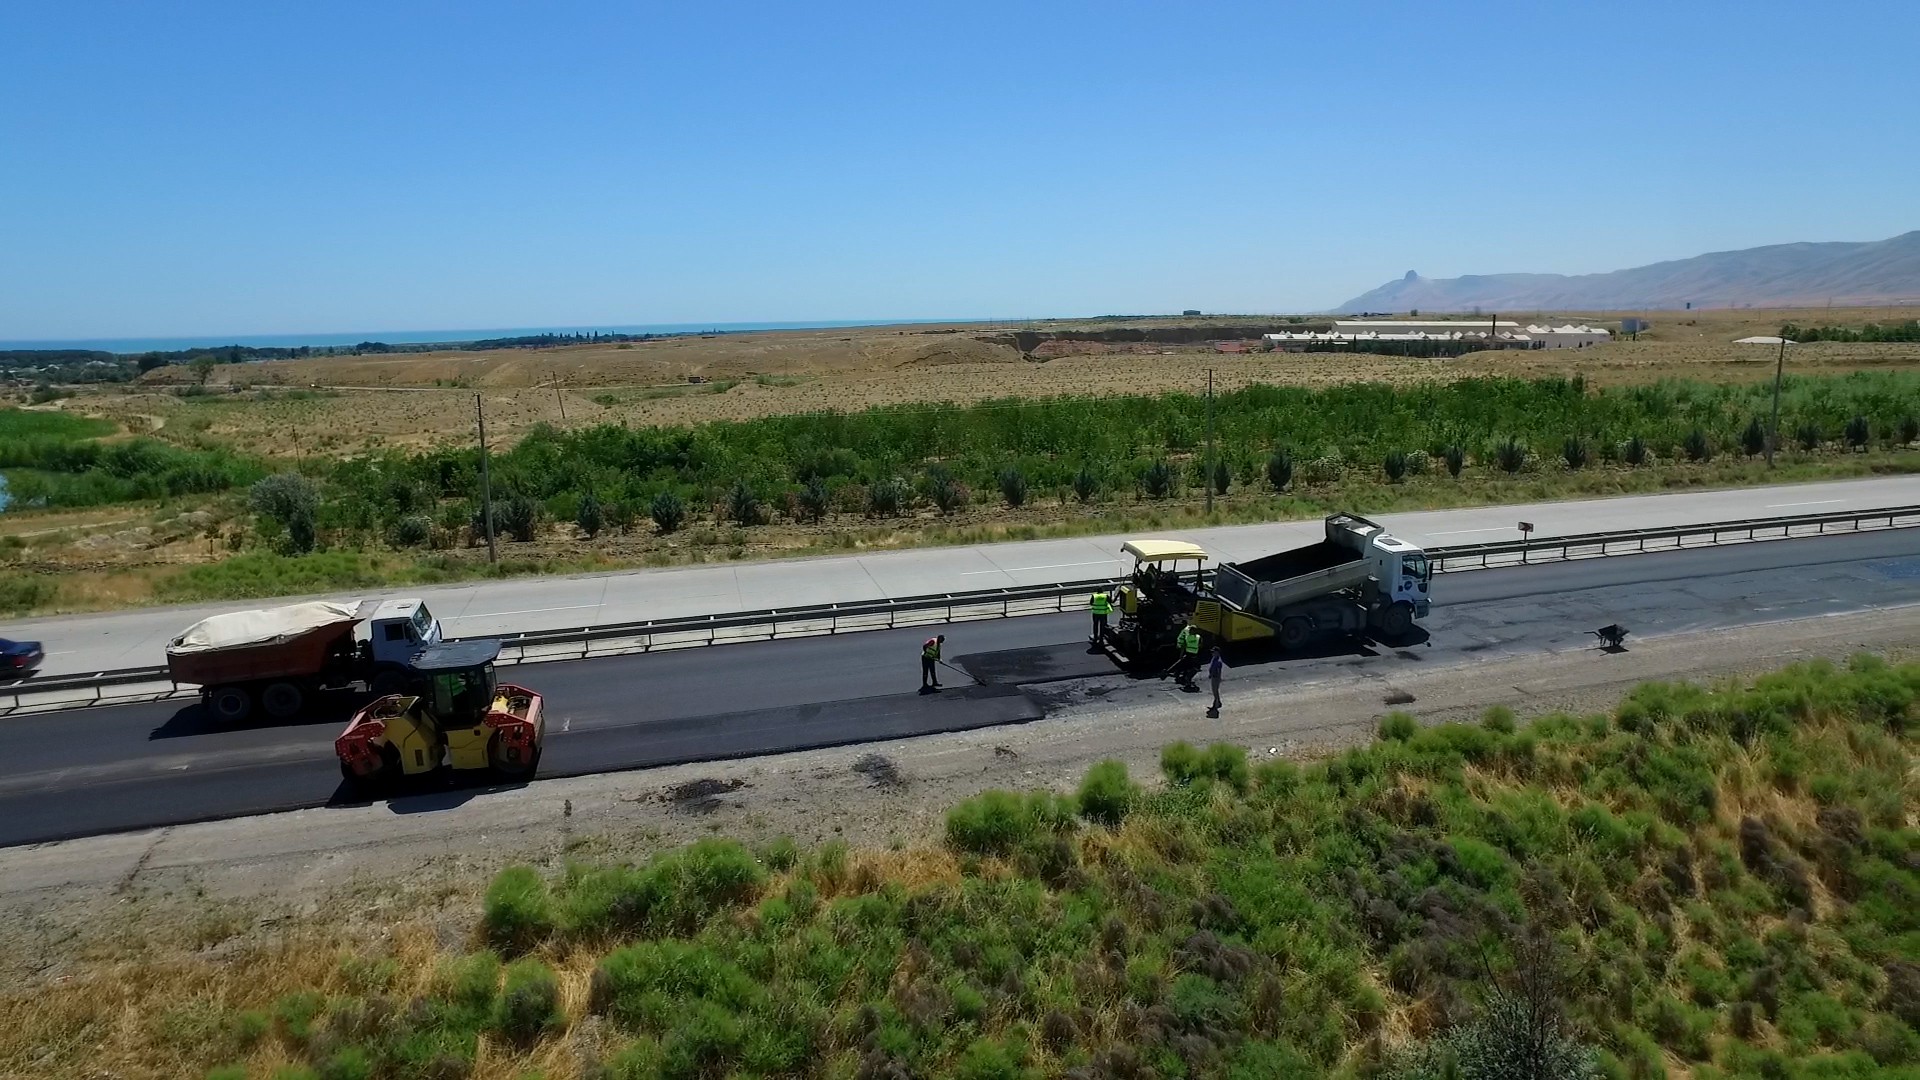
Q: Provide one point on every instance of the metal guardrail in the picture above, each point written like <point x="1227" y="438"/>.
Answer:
<point x="579" y="643"/>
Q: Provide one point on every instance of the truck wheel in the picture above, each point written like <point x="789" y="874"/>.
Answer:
<point x="230" y="704"/>
<point x="1397" y="621"/>
<point x="1294" y="633"/>
<point x="282" y="700"/>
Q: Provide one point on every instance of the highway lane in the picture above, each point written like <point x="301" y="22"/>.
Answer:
<point x="138" y="638"/>
<point x="107" y="769"/>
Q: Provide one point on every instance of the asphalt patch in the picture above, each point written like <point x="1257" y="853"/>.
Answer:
<point x="702" y="796"/>
<point x="1047" y="663"/>
<point x="880" y="770"/>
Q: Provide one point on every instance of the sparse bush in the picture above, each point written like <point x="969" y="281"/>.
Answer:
<point x="1181" y="764"/>
<point x="1697" y="445"/>
<point x="1013" y="486"/>
<point x="668" y="512"/>
<point x="1909" y="429"/>
<point x="1226" y="763"/>
<point x="1511" y="456"/>
<point x="1222" y="477"/>
<point x="1859" y="432"/>
<point x="20" y="593"/>
<point x="1575" y="453"/>
<point x="1456" y="460"/>
<point x="1498" y="719"/>
<point x="1398" y="726"/>
<point x="1753" y="439"/>
<point x="1395" y="466"/>
<point x="947" y="493"/>
<point x="1157" y="479"/>
<point x="1106" y="794"/>
<point x="1808" y="436"/>
<point x="1635" y="453"/>
<point x="1280" y="468"/>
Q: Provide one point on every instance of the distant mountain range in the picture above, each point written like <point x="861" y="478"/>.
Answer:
<point x="1780" y="275"/>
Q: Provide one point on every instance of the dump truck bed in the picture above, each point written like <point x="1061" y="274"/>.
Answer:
<point x="1266" y="586"/>
<point x="273" y="643"/>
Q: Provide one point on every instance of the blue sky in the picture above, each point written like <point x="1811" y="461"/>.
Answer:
<point x="212" y="168"/>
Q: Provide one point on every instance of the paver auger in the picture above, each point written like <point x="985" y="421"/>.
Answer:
<point x="455" y="716"/>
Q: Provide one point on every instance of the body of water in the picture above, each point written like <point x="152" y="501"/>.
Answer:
<point x="418" y="337"/>
<point x="4" y="500"/>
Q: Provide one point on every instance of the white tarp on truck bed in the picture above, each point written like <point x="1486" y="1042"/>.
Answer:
<point x="262" y="626"/>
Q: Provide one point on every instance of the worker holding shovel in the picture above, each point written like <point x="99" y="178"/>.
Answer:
<point x="930" y="656"/>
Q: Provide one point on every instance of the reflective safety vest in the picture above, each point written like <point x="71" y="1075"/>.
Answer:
<point x="931" y="650"/>
<point x="1102" y="604"/>
<point x="1190" y="641"/>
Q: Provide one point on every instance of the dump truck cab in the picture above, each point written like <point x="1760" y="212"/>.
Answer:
<point x="1400" y="569"/>
<point x="454" y="715"/>
<point x="398" y="630"/>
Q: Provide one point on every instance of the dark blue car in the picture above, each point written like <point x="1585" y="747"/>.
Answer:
<point x="19" y="659"/>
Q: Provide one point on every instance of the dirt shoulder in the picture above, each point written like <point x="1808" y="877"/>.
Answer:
<point x="204" y="889"/>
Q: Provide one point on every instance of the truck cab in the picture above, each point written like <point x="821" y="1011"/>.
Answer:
<point x="1400" y="569"/>
<point x="399" y="629"/>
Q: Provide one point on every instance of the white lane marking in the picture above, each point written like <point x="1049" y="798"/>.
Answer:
<point x="522" y="611"/>
<point x="1822" y="502"/>
<point x="1468" y="532"/>
<point x="1052" y="566"/>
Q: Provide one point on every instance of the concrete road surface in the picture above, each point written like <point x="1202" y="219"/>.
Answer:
<point x="138" y="638"/>
<point x="109" y="769"/>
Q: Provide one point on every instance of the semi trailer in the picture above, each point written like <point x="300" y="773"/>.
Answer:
<point x="1357" y="579"/>
<point x="276" y="659"/>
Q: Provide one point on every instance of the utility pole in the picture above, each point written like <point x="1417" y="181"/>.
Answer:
<point x="486" y="481"/>
<point x="1773" y="429"/>
<point x="558" y="397"/>
<point x="1208" y="479"/>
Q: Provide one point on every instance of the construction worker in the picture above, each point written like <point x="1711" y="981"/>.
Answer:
<point x="1102" y="605"/>
<point x="1187" y="664"/>
<point x="929" y="656"/>
<point x="1216" y="666"/>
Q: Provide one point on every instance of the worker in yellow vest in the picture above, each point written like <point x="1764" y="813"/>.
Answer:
<point x="1187" y="664"/>
<point x="1102" y="605"/>
<point x="929" y="656"/>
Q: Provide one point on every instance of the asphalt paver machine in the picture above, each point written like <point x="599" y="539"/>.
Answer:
<point x="455" y="716"/>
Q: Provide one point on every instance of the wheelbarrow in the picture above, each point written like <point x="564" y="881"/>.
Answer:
<point x="1612" y="635"/>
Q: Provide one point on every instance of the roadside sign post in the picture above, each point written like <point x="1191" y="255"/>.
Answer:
<point x="1526" y="536"/>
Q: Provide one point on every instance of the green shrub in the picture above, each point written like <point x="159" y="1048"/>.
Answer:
<point x="1280" y="469"/>
<point x="227" y="1072"/>
<point x="1456" y="458"/>
<point x="1013" y="486"/>
<point x="990" y="1059"/>
<point x="1181" y="764"/>
<point x="743" y="505"/>
<point x="1697" y="445"/>
<point x="1808" y="436"/>
<point x="295" y="1072"/>
<point x="1909" y="429"/>
<point x="1511" y="455"/>
<point x="518" y="909"/>
<point x="1222" y="477"/>
<point x="1858" y="433"/>
<point x="1575" y="452"/>
<point x="1398" y="726"/>
<point x="996" y="822"/>
<point x="295" y="1013"/>
<point x="1157" y="480"/>
<point x="1395" y="466"/>
<point x="20" y="593"/>
<point x="529" y="1004"/>
<point x="1635" y="452"/>
<point x="1753" y="439"/>
<point x="350" y="1063"/>
<point x="590" y="517"/>
<point x="1107" y="793"/>
<point x="410" y="531"/>
<point x="1086" y="484"/>
<point x="886" y="498"/>
<point x="1226" y="763"/>
<point x="292" y="502"/>
<point x="815" y="499"/>
<point x="1498" y="719"/>
<point x="668" y="512"/>
<point x="520" y="517"/>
